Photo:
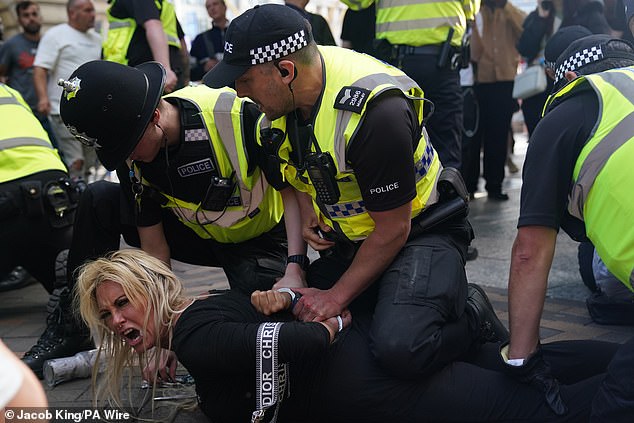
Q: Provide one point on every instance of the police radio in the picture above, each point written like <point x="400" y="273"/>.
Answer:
<point x="321" y="171"/>
<point x="219" y="193"/>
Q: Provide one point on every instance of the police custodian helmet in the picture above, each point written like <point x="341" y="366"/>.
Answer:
<point x="109" y="105"/>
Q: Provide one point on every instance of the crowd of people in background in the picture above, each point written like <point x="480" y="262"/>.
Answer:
<point x="441" y="82"/>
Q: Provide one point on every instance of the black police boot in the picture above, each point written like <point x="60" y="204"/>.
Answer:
<point x="490" y="327"/>
<point x="63" y="336"/>
<point x="15" y="279"/>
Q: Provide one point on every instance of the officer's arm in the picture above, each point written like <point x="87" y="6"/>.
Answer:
<point x="531" y="259"/>
<point x="153" y="242"/>
<point x="294" y="276"/>
<point x="40" y="78"/>
<point x="157" y="39"/>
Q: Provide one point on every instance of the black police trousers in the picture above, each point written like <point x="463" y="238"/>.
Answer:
<point x="27" y="236"/>
<point x="420" y="320"/>
<point x="614" y="402"/>
<point x="474" y="389"/>
<point x="102" y="218"/>
<point x="442" y="87"/>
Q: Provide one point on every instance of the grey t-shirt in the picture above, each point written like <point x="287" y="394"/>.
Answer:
<point x="18" y="54"/>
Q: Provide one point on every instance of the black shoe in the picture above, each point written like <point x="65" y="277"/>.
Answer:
<point x="472" y="253"/>
<point x="498" y="196"/>
<point x="63" y="337"/>
<point x="491" y="328"/>
<point x="15" y="279"/>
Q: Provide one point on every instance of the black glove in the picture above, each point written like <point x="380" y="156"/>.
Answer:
<point x="536" y="372"/>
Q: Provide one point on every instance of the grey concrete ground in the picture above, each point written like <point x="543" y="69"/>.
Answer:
<point x="22" y="312"/>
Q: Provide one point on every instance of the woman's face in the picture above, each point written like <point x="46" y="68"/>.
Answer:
<point x="124" y="318"/>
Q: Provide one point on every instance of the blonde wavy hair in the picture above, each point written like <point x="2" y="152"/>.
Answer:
<point x="147" y="283"/>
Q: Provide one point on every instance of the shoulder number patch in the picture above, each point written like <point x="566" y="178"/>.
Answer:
<point x="352" y="99"/>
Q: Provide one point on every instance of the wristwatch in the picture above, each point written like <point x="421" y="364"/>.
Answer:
<point x="300" y="259"/>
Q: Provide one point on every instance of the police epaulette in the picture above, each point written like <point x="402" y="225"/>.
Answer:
<point x="192" y="118"/>
<point x="352" y="99"/>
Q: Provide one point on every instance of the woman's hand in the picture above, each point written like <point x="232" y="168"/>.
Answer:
<point x="167" y="364"/>
<point x="271" y="301"/>
<point x="333" y="323"/>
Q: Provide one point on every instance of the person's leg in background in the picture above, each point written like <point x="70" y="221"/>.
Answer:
<point x="46" y="260"/>
<point x="442" y="88"/>
<point x="471" y="142"/>
<point x="495" y="123"/>
<point x="532" y="108"/>
<point x="510" y="149"/>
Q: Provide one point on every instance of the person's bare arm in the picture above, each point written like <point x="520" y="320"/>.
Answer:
<point x="185" y="58"/>
<point x="157" y="39"/>
<point x="40" y="82"/>
<point x="294" y="276"/>
<point x="153" y="242"/>
<point x="30" y="393"/>
<point x="531" y="259"/>
<point x="377" y="252"/>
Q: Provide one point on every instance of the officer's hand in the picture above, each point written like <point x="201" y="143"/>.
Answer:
<point x="336" y="325"/>
<point x="536" y="372"/>
<point x="170" y="81"/>
<point x="271" y="301"/>
<point x="316" y="305"/>
<point x="315" y="233"/>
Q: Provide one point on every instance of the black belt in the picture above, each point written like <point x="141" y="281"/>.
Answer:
<point x="404" y="50"/>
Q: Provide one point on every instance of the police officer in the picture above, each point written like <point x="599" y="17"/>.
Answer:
<point x="426" y="46"/>
<point x="576" y="177"/>
<point x="431" y="50"/>
<point x="346" y="131"/>
<point x="191" y="189"/>
<point x="37" y="205"/>
<point x="137" y="30"/>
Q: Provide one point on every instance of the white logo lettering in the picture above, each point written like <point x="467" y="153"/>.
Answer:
<point x="228" y="47"/>
<point x="384" y="189"/>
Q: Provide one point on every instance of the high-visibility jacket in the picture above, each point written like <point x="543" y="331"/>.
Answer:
<point x="121" y="30"/>
<point x="419" y="23"/>
<point x="255" y="207"/>
<point x="336" y="128"/>
<point x="601" y="195"/>
<point x="24" y="145"/>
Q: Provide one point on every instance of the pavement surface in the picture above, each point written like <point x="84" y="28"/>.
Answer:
<point x="23" y="311"/>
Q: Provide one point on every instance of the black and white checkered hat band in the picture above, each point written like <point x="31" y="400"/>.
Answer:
<point x="279" y="49"/>
<point x="578" y="60"/>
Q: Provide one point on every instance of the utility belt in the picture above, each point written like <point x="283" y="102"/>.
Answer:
<point x="40" y="196"/>
<point x="453" y="204"/>
<point x="448" y="55"/>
